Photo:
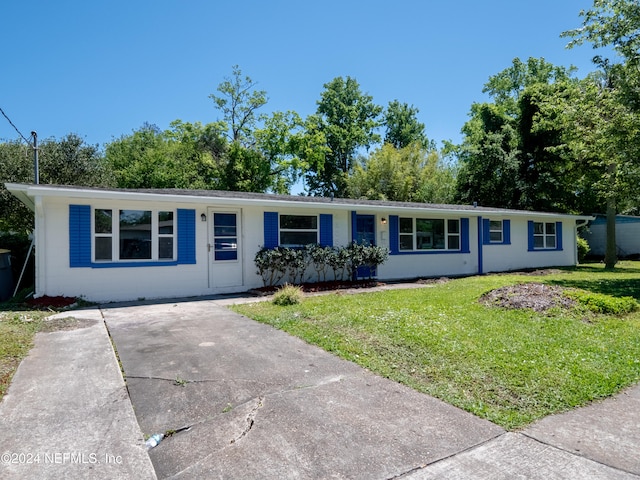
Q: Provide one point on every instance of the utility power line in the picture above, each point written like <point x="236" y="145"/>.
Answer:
<point x="14" y="127"/>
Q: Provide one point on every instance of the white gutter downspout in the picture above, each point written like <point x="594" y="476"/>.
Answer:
<point x="38" y="235"/>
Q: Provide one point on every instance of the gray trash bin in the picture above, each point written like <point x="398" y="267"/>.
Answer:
<point x="6" y="276"/>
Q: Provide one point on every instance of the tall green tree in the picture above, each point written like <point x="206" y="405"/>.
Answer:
<point x="402" y="127"/>
<point x="488" y="159"/>
<point x="347" y="118"/>
<point x="409" y="174"/>
<point x="287" y="147"/>
<point x="614" y="24"/>
<point x="502" y="161"/>
<point x="239" y="101"/>
<point x="610" y="23"/>
<point x="184" y="156"/>
<point x="67" y="161"/>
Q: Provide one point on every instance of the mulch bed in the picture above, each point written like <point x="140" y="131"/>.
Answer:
<point x="535" y="296"/>
<point x="323" y="286"/>
<point x="51" y="303"/>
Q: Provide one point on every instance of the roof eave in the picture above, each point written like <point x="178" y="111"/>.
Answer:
<point x="27" y="193"/>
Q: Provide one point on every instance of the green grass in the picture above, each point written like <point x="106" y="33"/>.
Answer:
<point x="511" y="367"/>
<point x="17" y="329"/>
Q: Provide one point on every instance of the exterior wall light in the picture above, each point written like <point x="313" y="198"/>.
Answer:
<point x="203" y="217"/>
<point x="383" y="220"/>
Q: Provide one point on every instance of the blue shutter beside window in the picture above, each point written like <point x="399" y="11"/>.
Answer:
<point x="186" y="236"/>
<point x="558" y="235"/>
<point x="394" y="234"/>
<point x="506" y="232"/>
<point x="530" y="231"/>
<point x="270" y="229"/>
<point x="486" y="232"/>
<point x="354" y="225"/>
<point x="326" y="230"/>
<point x="464" y="235"/>
<point x="79" y="236"/>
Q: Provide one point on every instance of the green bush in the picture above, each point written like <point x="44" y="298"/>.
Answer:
<point x="279" y="264"/>
<point x="604" y="304"/>
<point x="288" y="295"/>
<point x="583" y="249"/>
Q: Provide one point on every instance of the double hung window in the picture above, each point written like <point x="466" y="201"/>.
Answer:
<point x="428" y="234"/>
<point x="544" y="235"/>
<point x="298" y="230"/>
<point x="496" y="231"/>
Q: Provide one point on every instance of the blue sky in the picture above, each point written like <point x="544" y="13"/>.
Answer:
<point x="102" y="68"/>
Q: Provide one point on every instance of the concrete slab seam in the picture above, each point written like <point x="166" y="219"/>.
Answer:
<point x="447" y="457"/>
<point x="573" y="453"/>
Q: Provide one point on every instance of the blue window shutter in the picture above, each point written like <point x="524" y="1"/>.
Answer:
<point x="354" y="225"/>
<point x="486" y="234"/>
<point x="79" y="236"/>
<point x="186" y="236"/>
<point x="558" y="235"/>
<point x="394" y="234"/>
<point x="506" y="232"/>
<point x="530" y="235"/>
<point x="270" y="229"/>
<point x="326" y="230"/>
<point x="464" y="235"/>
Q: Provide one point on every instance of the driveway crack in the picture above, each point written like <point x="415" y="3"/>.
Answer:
<point x="250" y="419"/>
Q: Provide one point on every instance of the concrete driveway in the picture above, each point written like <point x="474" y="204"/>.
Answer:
<point x="263" y="404"/>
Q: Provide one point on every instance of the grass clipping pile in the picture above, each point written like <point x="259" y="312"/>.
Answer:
<point x="536" y="296"/>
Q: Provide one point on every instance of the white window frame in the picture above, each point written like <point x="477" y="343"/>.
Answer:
<point x="448" y="235"/>
<point x="545" y="235"/>
<point x="297" y="230"/>
<point x="115" y="235"/>
<point x="494" y="229"/>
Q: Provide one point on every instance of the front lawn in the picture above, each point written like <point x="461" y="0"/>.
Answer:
<point x="511" y="367"/>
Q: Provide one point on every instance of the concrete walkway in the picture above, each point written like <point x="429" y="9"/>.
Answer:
<point x="262" y="404"/>
<point x="67" y="413"/>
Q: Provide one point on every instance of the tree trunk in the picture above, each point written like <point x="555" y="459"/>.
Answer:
<point x="610" y="256"/>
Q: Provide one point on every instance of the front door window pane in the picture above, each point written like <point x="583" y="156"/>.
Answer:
<point x="225" y="236"/>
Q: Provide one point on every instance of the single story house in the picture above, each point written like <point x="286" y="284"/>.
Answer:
<point x="627" y="235"/>
<point x="119" y="244"/>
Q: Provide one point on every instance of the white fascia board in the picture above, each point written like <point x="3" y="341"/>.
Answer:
<point x="26" y="193"/>
<point x="21" y="192"/>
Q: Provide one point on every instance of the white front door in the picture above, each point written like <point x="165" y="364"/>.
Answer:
<point x="225" y="249"/>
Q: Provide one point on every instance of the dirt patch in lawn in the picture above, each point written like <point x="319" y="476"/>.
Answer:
<point x="535" y="296"/>
<point x="68" y="323"/>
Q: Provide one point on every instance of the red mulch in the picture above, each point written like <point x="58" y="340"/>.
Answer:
<point x="325" y="286"/>
<point x="46" y="302"/>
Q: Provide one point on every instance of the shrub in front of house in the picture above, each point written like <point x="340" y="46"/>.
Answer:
<point x="292" y="264"/>
<point x="583" y="249"/>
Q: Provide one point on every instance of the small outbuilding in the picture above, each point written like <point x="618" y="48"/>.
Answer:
<point x="627" y="236"/>
<point x="118" y="244"/>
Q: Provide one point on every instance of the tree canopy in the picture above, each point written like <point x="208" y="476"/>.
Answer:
<point x="347" y="118"/>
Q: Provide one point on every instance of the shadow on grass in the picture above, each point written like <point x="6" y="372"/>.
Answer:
<point x="614" y="287"/>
